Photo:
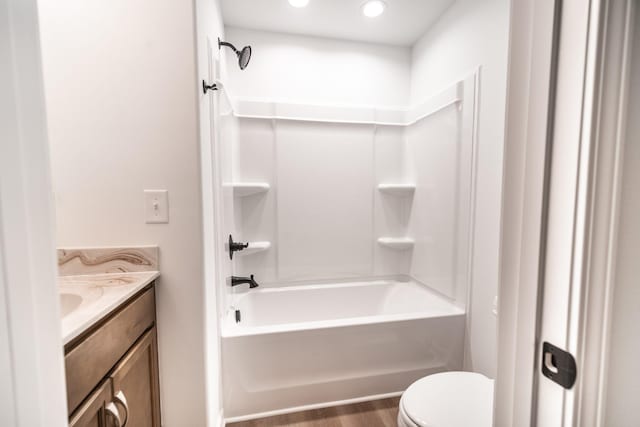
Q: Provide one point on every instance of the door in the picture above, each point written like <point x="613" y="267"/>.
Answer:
<point x="565" y="215"/>
<point x="583" y="195"/>
<point x="611" y="349"/>
<point x="97" y="410"/>
<point x="135" y="384"/>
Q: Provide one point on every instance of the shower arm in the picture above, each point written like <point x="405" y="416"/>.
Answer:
<point x="221" y="43"/>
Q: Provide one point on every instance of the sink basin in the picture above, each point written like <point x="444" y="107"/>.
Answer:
<point x="69" y="302"/>
<point x="85" y="299"/>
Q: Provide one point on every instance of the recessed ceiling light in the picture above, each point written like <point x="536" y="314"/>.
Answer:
<point x="373" y="8"/>
<point x="298" y="3"/>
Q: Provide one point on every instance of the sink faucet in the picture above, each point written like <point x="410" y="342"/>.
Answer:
<point x="235" y="281"/>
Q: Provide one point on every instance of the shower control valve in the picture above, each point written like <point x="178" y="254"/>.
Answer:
<point x="206" y="87"/>
<point x="235" y="246"/>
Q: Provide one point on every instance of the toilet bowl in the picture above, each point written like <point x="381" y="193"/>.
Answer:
<point x="448" y="399"/>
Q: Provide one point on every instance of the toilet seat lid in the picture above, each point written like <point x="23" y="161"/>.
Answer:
<point x="450" y="399"/>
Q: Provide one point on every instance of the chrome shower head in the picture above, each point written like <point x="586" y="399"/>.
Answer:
<point x="244" y="55"/>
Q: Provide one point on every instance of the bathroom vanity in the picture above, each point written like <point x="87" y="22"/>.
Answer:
<point x="110" y="345"/>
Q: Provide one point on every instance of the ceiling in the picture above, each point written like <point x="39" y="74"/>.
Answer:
<point x="402" y="23"/>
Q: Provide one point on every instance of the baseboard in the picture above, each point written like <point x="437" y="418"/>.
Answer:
<point x="310" y="407"/>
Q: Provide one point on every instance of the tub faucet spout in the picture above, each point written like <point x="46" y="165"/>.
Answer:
<point x="235" y="281"/>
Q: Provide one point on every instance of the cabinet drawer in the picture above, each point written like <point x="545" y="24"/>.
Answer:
<point x="88" y="363"/>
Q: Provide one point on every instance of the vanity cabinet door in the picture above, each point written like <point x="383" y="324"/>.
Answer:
<point x="89" y="361"/>
<point x="135" y="384"/>
<point x="93" y="412"/>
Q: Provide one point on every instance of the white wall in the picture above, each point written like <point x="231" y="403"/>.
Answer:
<point x="121" y="91"/>
<point x="315" y="70"/>
<point x="470" y="34"/>
<point x="623" y="384"/>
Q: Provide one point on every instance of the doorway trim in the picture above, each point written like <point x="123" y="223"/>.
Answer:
<point x="530" y="108"/>
<point x="32" y="390"/>
<point x="530" y="90"/>
<point x="609" y="118"/>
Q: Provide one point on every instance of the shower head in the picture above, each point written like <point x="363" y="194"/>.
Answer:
<point x="244" y="55"/>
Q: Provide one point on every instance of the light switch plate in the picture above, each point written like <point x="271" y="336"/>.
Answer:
<point x="156" y="206"/>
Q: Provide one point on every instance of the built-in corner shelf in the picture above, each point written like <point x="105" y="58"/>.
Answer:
<point x="397" y="243"/>
<point x="397" y="189"/>
<point x="243" y="189"/>
<point x="255" y="247"/>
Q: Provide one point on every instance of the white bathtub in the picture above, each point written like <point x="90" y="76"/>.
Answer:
<point x="317" y="345"/>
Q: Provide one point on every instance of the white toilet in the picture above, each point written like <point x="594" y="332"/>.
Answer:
<point x="448" y="399"/>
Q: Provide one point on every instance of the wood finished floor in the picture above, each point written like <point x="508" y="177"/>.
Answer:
<point x="375" y="413"/>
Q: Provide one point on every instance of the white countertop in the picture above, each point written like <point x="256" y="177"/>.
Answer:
<point x="91" y="297"/>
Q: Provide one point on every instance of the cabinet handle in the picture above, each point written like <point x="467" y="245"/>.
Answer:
<point x="121" y="399"/>
<point x="112" y="410"/>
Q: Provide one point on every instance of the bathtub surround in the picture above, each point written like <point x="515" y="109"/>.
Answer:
<point x="366" y="224"/>
<point x="82" y="261"/>
<point x="470" y="33"/>
<point x="382" y="115"/>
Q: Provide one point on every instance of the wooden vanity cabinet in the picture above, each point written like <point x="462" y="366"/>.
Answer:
<point x="93" y="412"/>
<point x="112" y="370"/>
<point x="136" y="377"/>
